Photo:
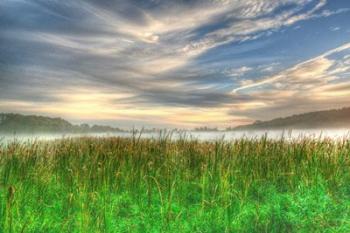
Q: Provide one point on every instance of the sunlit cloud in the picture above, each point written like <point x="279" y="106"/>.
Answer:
<point x="176" y="63"/>
<point x="319" y="81"/>
<point x="308" y="71"/>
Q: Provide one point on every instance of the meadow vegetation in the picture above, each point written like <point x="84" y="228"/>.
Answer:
<point x="163" y="185"/>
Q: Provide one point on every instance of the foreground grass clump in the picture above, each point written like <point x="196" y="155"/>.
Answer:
<point x="149" y="185"/>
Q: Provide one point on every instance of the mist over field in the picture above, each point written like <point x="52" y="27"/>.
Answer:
<point x="174" y="116"/>
<point x="338" y="134"/>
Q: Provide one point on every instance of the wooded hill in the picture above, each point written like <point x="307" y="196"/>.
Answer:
<point x="330" y="119"/>
<point x="18" y="123"/>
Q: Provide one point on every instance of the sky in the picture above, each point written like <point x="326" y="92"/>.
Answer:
<point x="173" y="63"/>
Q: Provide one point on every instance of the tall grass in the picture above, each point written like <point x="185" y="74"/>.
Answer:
<point x="164" y="185"/>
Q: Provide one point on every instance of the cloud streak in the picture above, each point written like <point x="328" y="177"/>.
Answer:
<point x="100" y="59"/>
<point x="320" y="82"/>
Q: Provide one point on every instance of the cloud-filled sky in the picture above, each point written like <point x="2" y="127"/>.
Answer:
<point x="173" y="63"/>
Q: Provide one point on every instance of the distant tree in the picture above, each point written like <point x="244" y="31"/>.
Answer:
<point x="31" y="124"/>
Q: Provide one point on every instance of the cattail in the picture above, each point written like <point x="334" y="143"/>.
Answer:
<point x="10" y="194"/>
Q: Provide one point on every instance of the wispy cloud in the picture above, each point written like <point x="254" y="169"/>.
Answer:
<point x="140" y="60"/>
<point x="314" y="84"/>
<point x="237" y="72"/>
<point x="307" y="71"/>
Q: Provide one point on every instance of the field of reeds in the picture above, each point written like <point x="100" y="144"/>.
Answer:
<point x="163" y="185"/>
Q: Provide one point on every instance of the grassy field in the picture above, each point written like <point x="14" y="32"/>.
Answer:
<point x="149" y="185"/>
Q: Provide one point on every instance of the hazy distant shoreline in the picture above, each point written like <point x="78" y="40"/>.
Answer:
<point x="336" y="119"/>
